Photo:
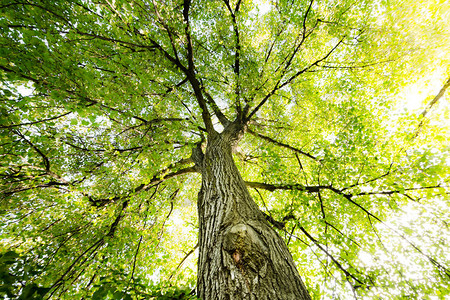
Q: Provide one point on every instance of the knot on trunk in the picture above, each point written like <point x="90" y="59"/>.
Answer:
<point x="245" y="247"/>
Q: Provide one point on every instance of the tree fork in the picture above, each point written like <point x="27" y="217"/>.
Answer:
<point x="240" y="255"/>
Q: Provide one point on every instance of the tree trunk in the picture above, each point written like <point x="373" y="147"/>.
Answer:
<point x="240" y="254"/>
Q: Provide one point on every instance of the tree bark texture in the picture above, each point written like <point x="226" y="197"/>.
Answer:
<point x="240" y="255"/>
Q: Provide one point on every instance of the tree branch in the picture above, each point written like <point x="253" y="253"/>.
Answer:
<point x="35" y="122"/>
<point x="190" y="73"/>
<point x="222" y="118"/>
<point x="237" y="52"/>
<point x="169" y="31"/>
<point x="312" y="65"/>
<point x="429" y="106"/>
<point x="100" y="242"/>
<point x="182" y="261"/>
<point x="296" y="186"/>
<point x="279" y="86"/>
<point x="269" y="139"/>
<point x="318" y="188"/>
<point x="348" y="274"/>
<point x="44" y="157"/>
<point x="158" y="178"/>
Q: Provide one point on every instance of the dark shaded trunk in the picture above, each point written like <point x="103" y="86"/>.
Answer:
<point x="240" y="256"/>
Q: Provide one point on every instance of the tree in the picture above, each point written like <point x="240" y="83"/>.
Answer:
<point x="279" y="114"/>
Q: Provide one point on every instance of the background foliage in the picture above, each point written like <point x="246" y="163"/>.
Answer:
<point x="98" y="120"/>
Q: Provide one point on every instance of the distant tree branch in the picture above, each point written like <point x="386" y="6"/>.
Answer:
<point x="430" y="105"/>
<point x="158" y="178"/>
<point x="348" y="197"/>
<point x="20" y="74"/>
<point x="83" y="97"/>
<point x="356" y="65"/>
<point x="36" y="122"/>
<point x="280" y="85"/>
<point x="154" y="121"/>
<point x="44" y="157"/>
<point x="305" y="17"/>
<point x="261" y="103"/>
<point x="304" y="36"/>
<point x="371" y="180"/>
<point x="168" y="29"/>
<point x="135" y="259"/>
<point x="190" y="52"/>
<point x="313" y="64"/>
<point x="436" y="98"/>
<point x="182" y="261"/>
<point x="296" y="186"/>
<point x="273" y="141"/>
<point x="92" y="250"/>
<point x="316" y="242"/>
<point x="44" y="8"/>
<point x="317" y="188"/>
<point x="190" y="72"/>
<point x="391" y="192"/>
<point x="222" y="118"/>
<point x="237" y="54"/>
<point x="122" y="42"/>
<point x="51" y="184"/>
<point x="341" y="233"/>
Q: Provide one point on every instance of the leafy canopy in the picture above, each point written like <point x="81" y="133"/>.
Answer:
<point x="103" y="102"/>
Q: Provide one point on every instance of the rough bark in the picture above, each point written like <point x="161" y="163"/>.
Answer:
<point x="240" y="255"/>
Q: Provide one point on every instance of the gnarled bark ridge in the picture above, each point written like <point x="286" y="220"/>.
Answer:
<point x="240" y="255"/>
